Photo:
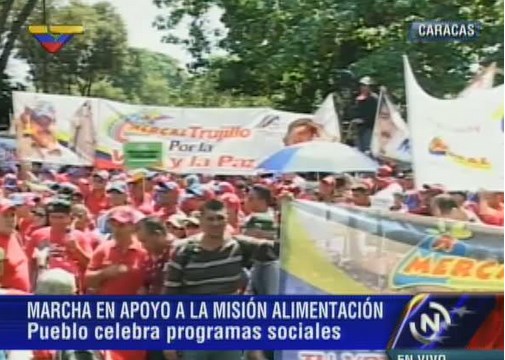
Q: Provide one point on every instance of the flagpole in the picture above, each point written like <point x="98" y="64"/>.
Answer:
<point x="44" y="14"/>
<point x="376" y="122"/>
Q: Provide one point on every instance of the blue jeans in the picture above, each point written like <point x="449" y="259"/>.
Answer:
<point x="364" y="139"/>
<point x="211" y="355"/>
<point x="265" y="278"/>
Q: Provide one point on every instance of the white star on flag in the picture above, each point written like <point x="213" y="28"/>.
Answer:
<point x="461" y="311"/>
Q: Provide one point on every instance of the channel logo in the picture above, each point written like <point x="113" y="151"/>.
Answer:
<point x="444" y="31"/>
<point x="430" y="325"/>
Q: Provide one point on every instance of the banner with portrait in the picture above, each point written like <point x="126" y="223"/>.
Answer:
<point x="390" y="137"/>
<point x="203" y="140"/>
<point x="84" y="131"/>
<point x="55" y="129"/>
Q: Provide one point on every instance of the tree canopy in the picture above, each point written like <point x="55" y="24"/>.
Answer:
<point x="286" y="54"/>
<point x="294" y="52"/>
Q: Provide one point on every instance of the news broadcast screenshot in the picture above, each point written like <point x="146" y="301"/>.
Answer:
<point x="251" y="180"/>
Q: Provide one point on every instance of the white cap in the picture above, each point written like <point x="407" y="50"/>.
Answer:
<point x="56" y="282"/>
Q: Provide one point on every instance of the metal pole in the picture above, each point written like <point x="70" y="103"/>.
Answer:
<point x="44" y="15"/>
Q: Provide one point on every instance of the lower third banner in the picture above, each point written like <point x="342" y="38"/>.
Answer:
<point x="251" y="323"/>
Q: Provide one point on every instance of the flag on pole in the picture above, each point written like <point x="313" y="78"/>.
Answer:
<point x="482" y="81"/>
<point x="390" y="137"/>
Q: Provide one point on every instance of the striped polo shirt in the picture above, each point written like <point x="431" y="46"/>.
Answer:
<point x="193" y="270"/>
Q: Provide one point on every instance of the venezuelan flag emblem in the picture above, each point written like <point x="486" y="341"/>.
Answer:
<point x="53" y="38"/>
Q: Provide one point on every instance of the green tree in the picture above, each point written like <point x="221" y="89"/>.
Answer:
<point x="147" y="77"/>
<point x="294" y="52"/>
<point x="13" y="17"/>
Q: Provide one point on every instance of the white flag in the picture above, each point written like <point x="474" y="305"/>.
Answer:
<point x="390" y="138"/>
<point x="483" y="80"/>
<point x="326" y="116"/>
<point x="457" y="143"/>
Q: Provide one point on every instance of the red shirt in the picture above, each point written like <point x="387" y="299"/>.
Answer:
<point x="94" y="238"/>
<point x="60" y="256"/>
<point x="15" y="273"/>
<point x="24" y="225"/>
<point x="135" y="258"/>
<point x="492" y="216"/>
<point x="97" y="202"/>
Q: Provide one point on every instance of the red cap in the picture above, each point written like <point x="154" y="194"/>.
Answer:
<point x="124" y="215"/>
<point x="231" y="200"/>
<point x="5" y="205"/>
<point x="384" y="171"/>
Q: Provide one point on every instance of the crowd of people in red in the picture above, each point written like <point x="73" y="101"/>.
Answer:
<point x="115" y="231"/>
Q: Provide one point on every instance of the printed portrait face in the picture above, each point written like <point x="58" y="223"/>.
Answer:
<point x="302" y="130"/>
<point x="387" y="128"/>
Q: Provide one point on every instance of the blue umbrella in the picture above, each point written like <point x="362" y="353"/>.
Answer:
<point x="318" y="156"/>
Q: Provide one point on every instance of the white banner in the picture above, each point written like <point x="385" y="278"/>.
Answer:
<point x="203" y="140"/>
<point x="390" y="137"/>
<point x="225" y="141"/>
<point x="457" y="143"/>
<point x="55" y="129"/>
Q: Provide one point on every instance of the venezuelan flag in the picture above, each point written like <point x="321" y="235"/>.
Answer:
<point x="53" y="37"/>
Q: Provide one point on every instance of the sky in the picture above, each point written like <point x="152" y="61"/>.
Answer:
<point x="141" y="33"/>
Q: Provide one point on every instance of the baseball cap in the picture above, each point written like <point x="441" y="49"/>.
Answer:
<point x="193" y="220"/>
<point x="164" y="186"/>
<point x="224" y="187"/>
<point x="118" y="186"/>
<point x="68" y="188"/>
<point x="10" y="181"/>
<point x="59" y="205"/>
<point x="102" y="174"/>
<point x="19" y="199"/>
<point x="177" y="220"/>
<point x="366" y="80"/>
<point x="196" y="190"/>
<point x="56" y="282"/>
<point x="5" y="205"/>
<point x="124" y="215"/>
<point x="191" y="180"/>
<point x="151" y="175"/>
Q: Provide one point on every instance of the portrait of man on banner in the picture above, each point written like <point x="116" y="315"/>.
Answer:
<point x="390" y="135"/>
<point x="304" y="130"/>
<point x="41" y="136"/>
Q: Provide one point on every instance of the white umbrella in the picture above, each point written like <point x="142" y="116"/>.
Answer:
<point x="318" y="156"/>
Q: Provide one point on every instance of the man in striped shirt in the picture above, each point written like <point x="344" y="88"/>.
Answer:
<point x="211" y="263"/>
